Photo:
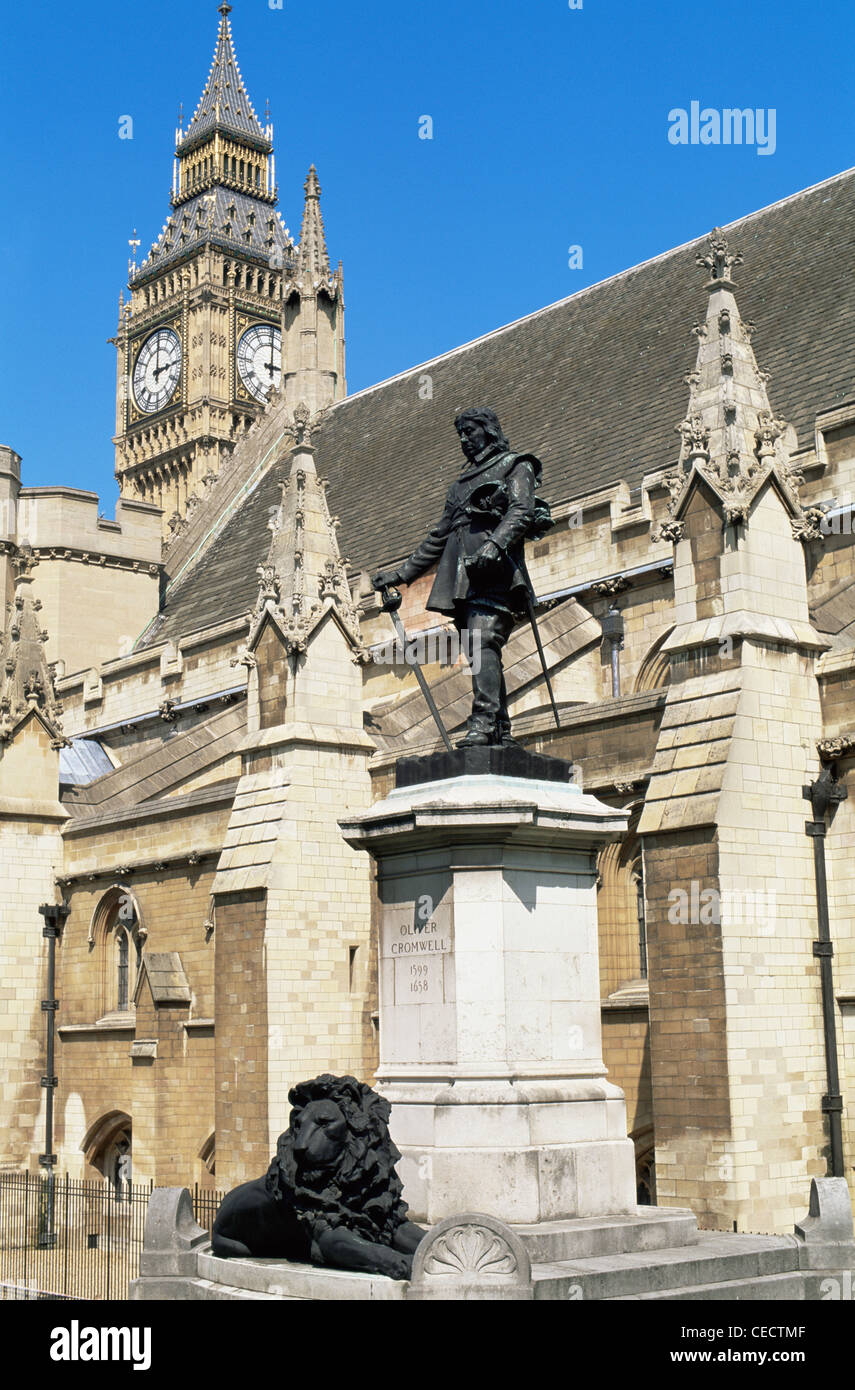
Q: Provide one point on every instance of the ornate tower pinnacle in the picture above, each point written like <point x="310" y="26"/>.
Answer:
<point x="304" y="576"/>
<point x="26" y="682"/>
<point x="312" y="257"/>
<point x="313" y="314"/>
<point x="730" y="434"/>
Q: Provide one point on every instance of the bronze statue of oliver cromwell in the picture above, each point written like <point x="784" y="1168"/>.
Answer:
<point x="481" y="579"/>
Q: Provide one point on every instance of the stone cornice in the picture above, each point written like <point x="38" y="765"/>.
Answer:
<point x="93" y="557"/>
<point x="309" y="736"/>
<point x="125" y="872"/>
<point x="25" y="809"/>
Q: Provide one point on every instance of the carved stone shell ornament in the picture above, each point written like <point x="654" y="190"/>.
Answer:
<point x="468" y="1249"/>
<point x="471" y="1256"/>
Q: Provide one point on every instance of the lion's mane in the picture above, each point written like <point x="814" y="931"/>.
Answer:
<point x="363" y="1192"/>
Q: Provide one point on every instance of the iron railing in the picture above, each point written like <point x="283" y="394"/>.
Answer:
<point x="63" y="1237"/>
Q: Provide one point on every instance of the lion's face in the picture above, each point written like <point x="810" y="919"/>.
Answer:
<point x="320" y="1134"/>
<point x="336" y="1160"/>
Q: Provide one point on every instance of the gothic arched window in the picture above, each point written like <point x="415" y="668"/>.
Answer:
<point x="118" y="935"/>
<point x="121" y="969"/>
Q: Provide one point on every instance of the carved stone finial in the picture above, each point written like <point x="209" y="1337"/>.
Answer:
<point x="330" y="581"/>
<point x="695" y="438"/>
<point x="768" y="431"/>
<point x="24" y="562"/>
<point x="268" y="584"/>
<point x="719" y="260"/>
<point x="302" y="416"/>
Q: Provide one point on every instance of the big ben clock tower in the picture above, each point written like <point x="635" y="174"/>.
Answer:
<point x="200" y="340"/>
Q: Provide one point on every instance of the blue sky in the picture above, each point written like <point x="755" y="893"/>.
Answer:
<point x="550" y="130"/>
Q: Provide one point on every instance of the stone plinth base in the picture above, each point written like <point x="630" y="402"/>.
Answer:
<point x="526" y="1151"/>
<point x="490" y="1020"/>
<point x="508" y="761"/>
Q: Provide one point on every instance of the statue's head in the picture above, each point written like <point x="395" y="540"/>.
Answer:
<point x="479" y="427"/>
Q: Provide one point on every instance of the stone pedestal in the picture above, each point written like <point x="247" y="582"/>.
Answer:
<point x="490" y="1036"/>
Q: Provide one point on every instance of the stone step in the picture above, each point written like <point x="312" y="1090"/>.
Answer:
<point x="770" y="1288"/>
<point x="205" y="1289"/>
<point x="714" y="1258"/>
<point x="648" y="1228"/>
<point x="281" y="1279"/>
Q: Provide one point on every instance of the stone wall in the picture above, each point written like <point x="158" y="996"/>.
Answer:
<point x="30" y="849"/>
<point x="241" y="1068"/>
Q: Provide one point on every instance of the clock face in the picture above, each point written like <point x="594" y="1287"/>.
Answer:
<point x="157" y="370"/>
<point x="259" y="359"/>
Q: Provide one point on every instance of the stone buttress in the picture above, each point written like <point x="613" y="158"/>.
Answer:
<point x="293" y="907"/>
<point x="736" y="1024"/>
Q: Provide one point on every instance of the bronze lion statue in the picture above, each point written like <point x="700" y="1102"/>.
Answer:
<point x="331" y="1195"/>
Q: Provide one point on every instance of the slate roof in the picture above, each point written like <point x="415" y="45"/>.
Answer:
<point x="224" y="103"/>
<point x="222" y="216"/>
<point x="594" y="384"/>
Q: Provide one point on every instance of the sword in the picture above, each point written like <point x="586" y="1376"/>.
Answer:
<point x="529" y="594"/>
<point x="391" y="602"/>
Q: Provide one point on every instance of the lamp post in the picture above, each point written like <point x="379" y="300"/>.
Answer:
<point x="54" y="918"/>
<point x="824" y="794"/>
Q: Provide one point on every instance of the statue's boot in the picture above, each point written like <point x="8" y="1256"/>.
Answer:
<point x="503" y="734"/>
<point x="481" y="732"/>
